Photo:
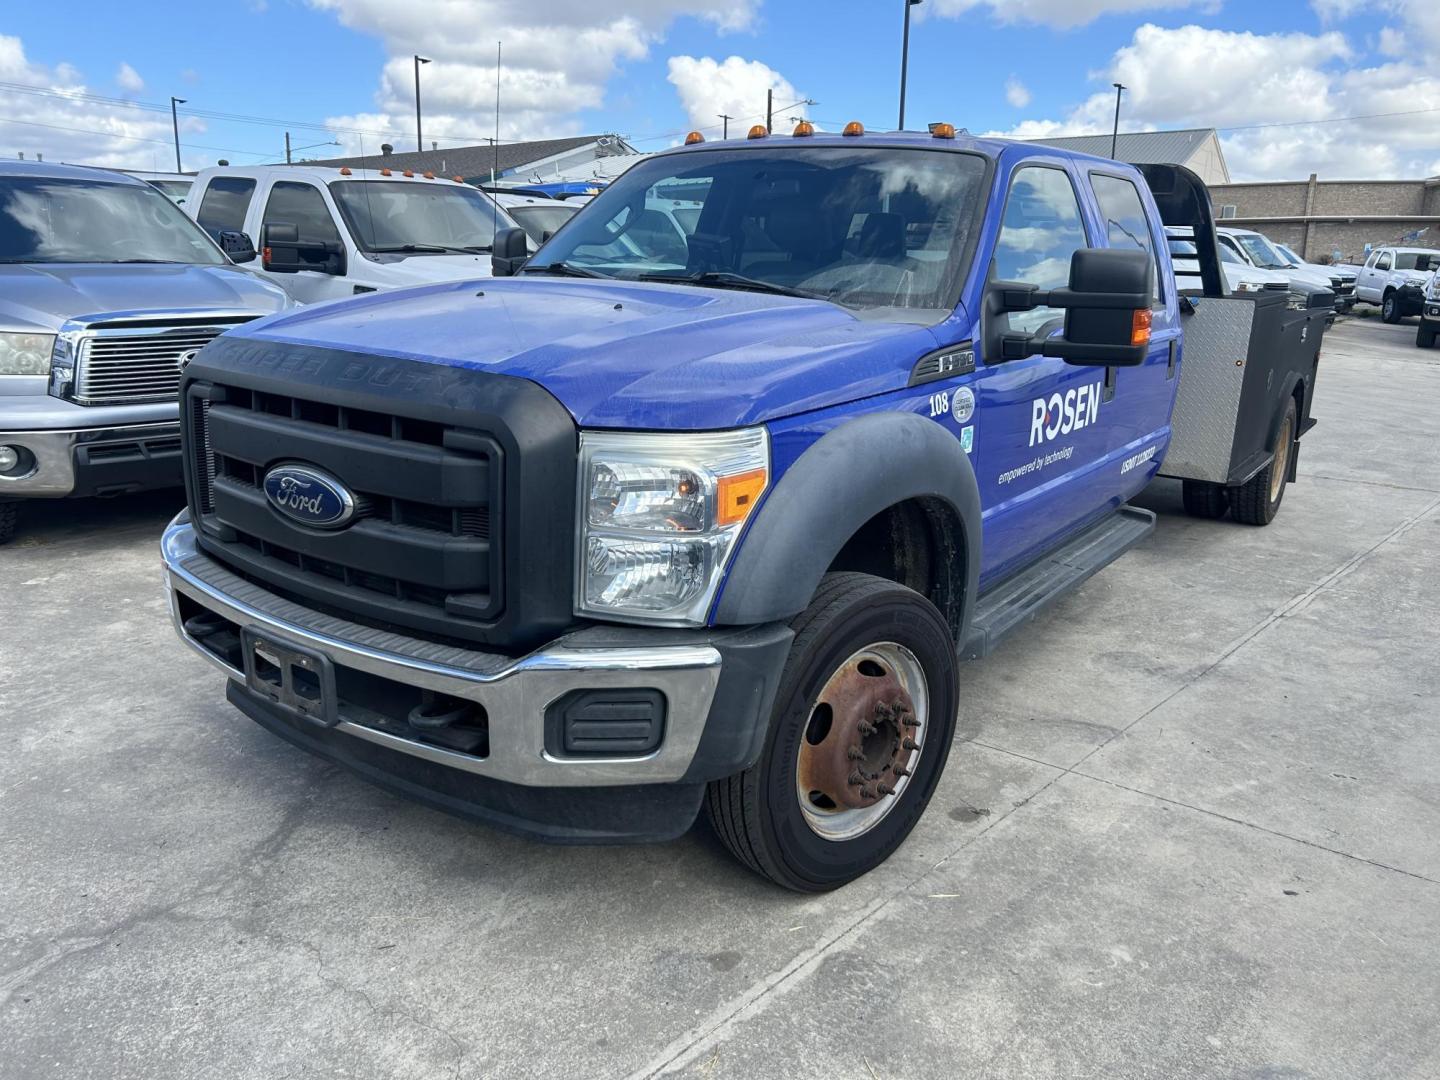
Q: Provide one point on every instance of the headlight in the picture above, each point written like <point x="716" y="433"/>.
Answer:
<point x="1250" y="286"/>
<point x="659" y="518"/>
<point x="26" y="354"/>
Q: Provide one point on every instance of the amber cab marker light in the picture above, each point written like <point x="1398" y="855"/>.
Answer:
<point x="854" y="127"/>
<point x="384" y="172"/>
<point x="803" y="128"/>
<point x="1140" y="327"/>
<point x="429" y="175"/>
<point x="344" y="170"/>
<point x="738" y="495"/>
<point x="693" y="138"/>
<point x="458" y="179"/>
<point x="757" y="132"/>
<point x="943" y="131"/>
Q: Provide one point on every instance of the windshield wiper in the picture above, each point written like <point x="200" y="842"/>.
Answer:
<point x="725" y="279"/>
<point x="428" y="249"/>
<point x="564" y="269"/>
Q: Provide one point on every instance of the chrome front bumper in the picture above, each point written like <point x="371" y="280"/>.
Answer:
<point x="53" y="471"/>
<point x="514" y="693"/>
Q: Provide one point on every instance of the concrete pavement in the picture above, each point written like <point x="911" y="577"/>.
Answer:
<point x="1191" y="830"/>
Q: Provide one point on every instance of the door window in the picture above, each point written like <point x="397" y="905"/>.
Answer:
<point x="1383" y="263"/>
<point x="1041" y="230"/>
<point x="225" y="203"/>
<point x="1125" y="222"/>
<point x="303" y="206"/>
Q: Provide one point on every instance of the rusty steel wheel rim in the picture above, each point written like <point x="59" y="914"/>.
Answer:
<point x="1282" y="461"/>
<point x="862" y="741"/>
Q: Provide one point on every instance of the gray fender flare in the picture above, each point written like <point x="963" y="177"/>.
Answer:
<point x="849" y="475"/>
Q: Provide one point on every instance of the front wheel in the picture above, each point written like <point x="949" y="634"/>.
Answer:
<point x="9" y="517"/>
<point x="1425" y="338"/>
<point x="1257" y="501"/>
<point x="1390" y="308"/>
<point x="859" y="734"/>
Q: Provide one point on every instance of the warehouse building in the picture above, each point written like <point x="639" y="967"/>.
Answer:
<point x="1334" y="220"/>
<point x="540" y="160"/>
<point x="1198" y="149"/>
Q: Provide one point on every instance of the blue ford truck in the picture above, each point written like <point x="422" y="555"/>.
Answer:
<point x="703" y="504"/>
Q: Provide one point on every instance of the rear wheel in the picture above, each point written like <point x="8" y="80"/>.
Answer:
<point x="9" y="518"/>
<point x="1258" y="500"/>
<point x="1204" y="500"/>
<point x="859" y="735"/>
<point x="1425" y="338"/>
<point x="1390" y="308"/>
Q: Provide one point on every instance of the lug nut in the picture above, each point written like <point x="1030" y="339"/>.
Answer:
<point x="886" y="789"/>
<point x="855" y="753"/>
<point x="910" y="744"/>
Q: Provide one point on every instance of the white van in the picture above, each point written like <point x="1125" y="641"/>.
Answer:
<point x="326" y="233"/>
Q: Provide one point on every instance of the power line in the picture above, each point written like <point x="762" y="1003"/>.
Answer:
<point x="130" y="138"/>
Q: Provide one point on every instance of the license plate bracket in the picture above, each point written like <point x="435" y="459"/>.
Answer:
<point x="297" y="679"/>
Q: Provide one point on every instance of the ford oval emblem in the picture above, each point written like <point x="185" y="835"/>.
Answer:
<point x="309" y="496"/>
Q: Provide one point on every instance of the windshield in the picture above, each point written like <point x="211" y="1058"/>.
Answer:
<point x="537" y="220"/>
<point x="53" y="220"/>
<point x="1417" y="260"/>
<point x="868" y="228"/>
<point x="1261" y="252"/>
<point x="1289" y="256"/>
<point x="393" y="215"/>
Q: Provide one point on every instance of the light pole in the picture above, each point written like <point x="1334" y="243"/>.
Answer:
<point x="905" y="59"/>
<point x="1120" y="88"/>
<point x="175" y="126"/>
<point x="419" y="139"/>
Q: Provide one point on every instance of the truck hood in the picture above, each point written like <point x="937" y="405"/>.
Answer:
<point x="398" y="272"/>
<point x="42" y="296"/>
<point x="625" y="354"/>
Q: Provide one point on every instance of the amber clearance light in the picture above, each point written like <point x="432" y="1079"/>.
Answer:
<point x="803" y="128"/>
<point x="854" y="127"/>
<point x="693" y="138"/>
<point x="758" y="132"/>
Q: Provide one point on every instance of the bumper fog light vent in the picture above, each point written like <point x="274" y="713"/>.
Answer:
<point x="605" y="723"/>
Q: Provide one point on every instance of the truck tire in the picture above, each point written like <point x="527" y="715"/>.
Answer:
<point x="1390" y="307"/>
<point x="859" y="734"/>
<point x="1257" y="501"/>
<point x="1425" y="337"/>
<point x="1204" y="500"/>
<point x="9" y="518"/>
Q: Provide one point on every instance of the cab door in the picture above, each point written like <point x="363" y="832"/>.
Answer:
<point x="1047" y="426"/>
<point x="301" y="203"/>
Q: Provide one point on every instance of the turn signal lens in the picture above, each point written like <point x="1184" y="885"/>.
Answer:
<point x="943" y="131"/>
<point x="738" y="496"/>
<point x="693" y="138"/>
<point x="803" y="128"/>
<point x="757" y="132"/>
<point x="1140" y="327"/>
<point x="854" y="127"/>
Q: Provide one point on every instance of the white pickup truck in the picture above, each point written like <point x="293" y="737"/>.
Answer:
<point x="1395" y="278"/>
<point x="326" y="233"/>
<point x="1258" y="251"/>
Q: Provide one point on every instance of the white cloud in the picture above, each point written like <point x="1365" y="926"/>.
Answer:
<point x="558" y="57"/>
<point x="1252" y="87"/>
<point x="709" y="87"/>
<point x="63" y="126"/>
<point x="1016" y="92"/>
<point x="1062" y="14"/>
<point x="127" y="78"/>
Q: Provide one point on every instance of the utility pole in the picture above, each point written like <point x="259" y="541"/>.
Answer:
<point x="419" y="138"/>
<point x="1120" y="88"/>
<point x="769" y="111"/>
<point x="905" y="59"/>
<point x="175" y="126"/>
<point x="726" y="118"/>
<point x="287" y="148"/>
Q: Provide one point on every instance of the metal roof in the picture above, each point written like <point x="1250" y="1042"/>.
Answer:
<point x="1141" y="147"/>
<point x="466" y="161"/>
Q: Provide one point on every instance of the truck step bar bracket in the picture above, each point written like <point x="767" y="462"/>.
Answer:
<point x="1012" y="603"/>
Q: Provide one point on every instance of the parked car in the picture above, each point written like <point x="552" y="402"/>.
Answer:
<point x="540" y="216"/>
<point x="106" y="290"/>
<point x="1239" y="276"/>
<point x="1430" y="314"/>
<point x="327" y="233"/>
<point x="174" y="186"/>
<point x="1395" y="278"/>
<point x="1255" y="249"/>
<point x="1342" y="279"/>
<point x="650" y="528"/>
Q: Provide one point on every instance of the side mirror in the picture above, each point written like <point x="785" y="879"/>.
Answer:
<point x="283" y="252"/>
<point x="1107" y="312"/>
<point x="509" y="253"/>
<point x="237" y="245"/>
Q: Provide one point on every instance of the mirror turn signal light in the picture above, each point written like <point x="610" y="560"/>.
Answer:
<point x="737" y="496"/>
<point x="693" y="138"/>
<point x="758" y="132"/>
<point x="854" y="127"/>
<point x="942" y="131"/>
<point x="803" y="128"/>
<point x="1140" y="327"/>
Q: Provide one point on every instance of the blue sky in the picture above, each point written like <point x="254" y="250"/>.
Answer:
<point x="1031" y="66"/>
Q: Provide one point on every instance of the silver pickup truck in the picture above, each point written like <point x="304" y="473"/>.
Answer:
<point x="107" y="290"/>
